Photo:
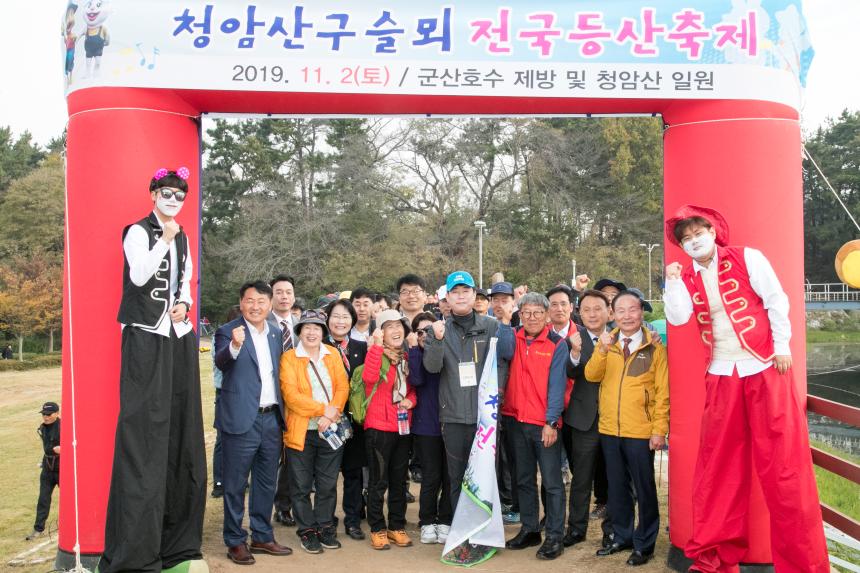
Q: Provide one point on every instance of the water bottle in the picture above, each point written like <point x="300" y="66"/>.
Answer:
<point x="402" y="422"/>
<point x="330" y="436"/>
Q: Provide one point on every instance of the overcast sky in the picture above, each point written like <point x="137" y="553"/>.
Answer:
<point x="31" y="83"/>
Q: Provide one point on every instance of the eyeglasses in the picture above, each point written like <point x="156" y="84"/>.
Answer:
<point x="411" y="292"/>
<point x="527" y="314"/>
<point x="169" y="193"/>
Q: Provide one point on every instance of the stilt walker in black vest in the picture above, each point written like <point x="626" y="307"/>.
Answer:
<point x="158" y="486"/>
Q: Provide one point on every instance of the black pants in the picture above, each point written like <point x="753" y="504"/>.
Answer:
<point x="631" y="455"/>
<point x="283" y="502"/>
<point x="531" y="454"/>
<point x="583" y="448"/>
<point x="48" y="480"/>
<point x="506" y="468"/>
<point x="158" y="485"/>
<point x="601" y="485"/>
<point x="353" y="483"/>
<point x="217" y="459"/>
<point x="458" y="440"/>
<point x="388" y="460"/>
<point x="316" y="467"/>
<point x="434" y="502"/>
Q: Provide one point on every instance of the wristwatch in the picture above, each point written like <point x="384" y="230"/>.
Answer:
<point x="553" y="424"/>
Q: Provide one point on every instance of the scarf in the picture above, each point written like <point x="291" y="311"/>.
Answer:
<point x="343" y="349"/>
<point x="395" y="356"/>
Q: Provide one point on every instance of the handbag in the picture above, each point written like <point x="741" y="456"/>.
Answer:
<point x="344" y="428"/>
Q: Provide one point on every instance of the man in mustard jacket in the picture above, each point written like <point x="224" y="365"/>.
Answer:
<point x="631" y="367"/>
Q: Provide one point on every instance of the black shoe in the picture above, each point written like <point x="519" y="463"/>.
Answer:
<point x="551" y="548"/>
<point x="639" y="558"/>
<point x="409" y="497"/>
<point x="310" y="541"/>
<point x="524" y="539"/>
<point x="572" y="537"/>
<point x="416" y="475"/>
<point x="328" y="537"/>
<point x="355" y="532"/>
<point x="217" y="490"/>
<point x="283" y="516"/>
<point x="613" y="548"/>
<point x="606" y="541"/>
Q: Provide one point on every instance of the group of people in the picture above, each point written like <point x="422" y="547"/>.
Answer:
<point x="332" y="391"/>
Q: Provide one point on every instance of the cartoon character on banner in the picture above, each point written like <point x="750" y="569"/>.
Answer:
<point x="69" y="40"/>
<point x="95" y="14"/>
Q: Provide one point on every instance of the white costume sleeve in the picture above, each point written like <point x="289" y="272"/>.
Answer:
<point x="677" y="301"/>
<point x="765" y="283"/>
<point x="185" y="288"/>
<point x="142" y="262"/>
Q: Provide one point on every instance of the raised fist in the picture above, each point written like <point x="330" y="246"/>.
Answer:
<point x="673" y="271"/>
<point x="238" y="337"/>
<point x="412" y="339"/>
<point x="575" y="342"/>
<point x="520" y="291"/>
<point x="377" y="336"/>
<point x="171" y="229"/>
<point x="582" y="282"/>
<point x="439" y="329"/>
<point x="604" y="342"/>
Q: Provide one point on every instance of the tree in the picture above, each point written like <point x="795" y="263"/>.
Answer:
<point x="32" y="213"/>
<point x="836" y="149"/>
<point x="31" y="297"/>
<point x="17" y="157"/>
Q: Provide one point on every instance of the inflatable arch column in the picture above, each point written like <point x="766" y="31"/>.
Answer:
<point x="117" y="138"/>
<point x="744" y="159"/>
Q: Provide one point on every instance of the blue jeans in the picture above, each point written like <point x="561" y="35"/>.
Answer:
<point x="531" y="454"/>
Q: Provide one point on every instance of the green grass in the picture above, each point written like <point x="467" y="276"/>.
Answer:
<point x="818" y="336"/>
<point x="834" y="490"/>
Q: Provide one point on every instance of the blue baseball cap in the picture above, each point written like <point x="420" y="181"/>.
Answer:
<point x="502" y="288"/>
<point x="458" y="278"/>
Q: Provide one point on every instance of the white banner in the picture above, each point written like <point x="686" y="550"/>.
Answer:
<point x="477" y="528"/>
<point x="714" y="49"/>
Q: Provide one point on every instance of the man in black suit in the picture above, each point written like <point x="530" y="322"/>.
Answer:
<point x="580" y="436"/>
<point x="250" y="416"/>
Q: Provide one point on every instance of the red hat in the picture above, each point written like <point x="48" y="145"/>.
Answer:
<point x="715" y="217"/>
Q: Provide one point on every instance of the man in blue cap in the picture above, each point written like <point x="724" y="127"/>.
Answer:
<point x="457" y="349"/>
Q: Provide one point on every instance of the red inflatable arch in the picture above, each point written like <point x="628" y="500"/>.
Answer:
<point x="739" y="154"/>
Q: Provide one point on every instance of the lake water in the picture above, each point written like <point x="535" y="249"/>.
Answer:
<point x="833" y="372"/>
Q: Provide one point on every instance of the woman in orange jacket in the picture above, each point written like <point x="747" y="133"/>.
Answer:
<point x="315" y="389"/>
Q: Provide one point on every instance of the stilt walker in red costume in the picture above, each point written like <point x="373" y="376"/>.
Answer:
<point x="752" y="414"/>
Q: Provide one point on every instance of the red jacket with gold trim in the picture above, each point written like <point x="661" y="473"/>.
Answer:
<point x="743" y="305"/>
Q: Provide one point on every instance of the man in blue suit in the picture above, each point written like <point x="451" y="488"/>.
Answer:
<point x="250" y="416"/>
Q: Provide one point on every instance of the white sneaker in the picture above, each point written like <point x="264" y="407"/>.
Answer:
<point x="428" y="534"/>
<point x="442" y="532"/>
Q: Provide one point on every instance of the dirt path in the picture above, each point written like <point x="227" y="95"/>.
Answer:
<point x="24" y="392"/>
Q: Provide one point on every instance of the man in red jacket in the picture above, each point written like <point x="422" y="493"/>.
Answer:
<point x="533" y="404"/>
<point x="752" y="415"/>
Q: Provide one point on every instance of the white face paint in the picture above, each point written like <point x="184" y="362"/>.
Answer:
<point x="168" y="207"/>
<point x="699" y="246"/>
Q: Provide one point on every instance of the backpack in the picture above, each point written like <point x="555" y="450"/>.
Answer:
<point x="358" y="398"/>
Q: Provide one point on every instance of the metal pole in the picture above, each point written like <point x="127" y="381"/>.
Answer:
<point x="481" y="257"/>
<point x="650" y="282"/>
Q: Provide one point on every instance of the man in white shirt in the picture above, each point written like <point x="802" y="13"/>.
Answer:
<point x="250" y="415"/>
<point x="753" y="416"/>
<point x="283" y="298"/>
<point x="157" y="495"/>
<point x="362" y="301"/>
